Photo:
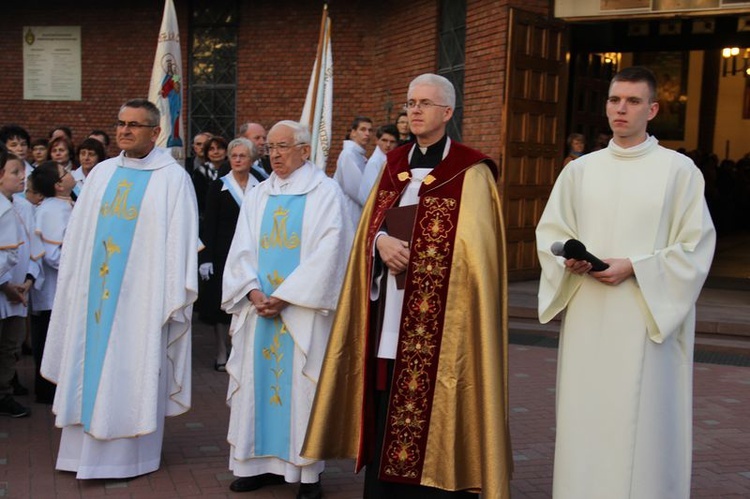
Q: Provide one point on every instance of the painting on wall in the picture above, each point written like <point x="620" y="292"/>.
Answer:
<point x="671" y="70"/>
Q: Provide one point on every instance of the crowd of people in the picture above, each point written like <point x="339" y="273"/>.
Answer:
<point x="403" y="351"/>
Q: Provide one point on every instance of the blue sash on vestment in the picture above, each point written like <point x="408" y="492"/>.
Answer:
<point x="113" y="239"/>
<point x="236" y="194"/>
<point x="278" y="256"/>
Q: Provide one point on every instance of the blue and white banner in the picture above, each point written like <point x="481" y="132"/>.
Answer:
<point x="317" y="112"/>
<point x="166" y="84"/>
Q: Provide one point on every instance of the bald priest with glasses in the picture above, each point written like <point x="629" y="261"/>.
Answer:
<point x="414" y="382"/>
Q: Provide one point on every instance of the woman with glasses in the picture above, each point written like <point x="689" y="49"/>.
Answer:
<point x="223" y="202"/>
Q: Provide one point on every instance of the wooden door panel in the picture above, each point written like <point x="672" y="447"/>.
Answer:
<point x="534" y="130"/>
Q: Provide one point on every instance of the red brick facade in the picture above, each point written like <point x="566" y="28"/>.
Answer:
<point x="377" y="49"/>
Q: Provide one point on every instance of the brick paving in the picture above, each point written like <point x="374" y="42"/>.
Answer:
<point x="195" y="451"/>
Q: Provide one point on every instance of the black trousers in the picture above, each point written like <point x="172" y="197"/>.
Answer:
<point x="44" y="390"/>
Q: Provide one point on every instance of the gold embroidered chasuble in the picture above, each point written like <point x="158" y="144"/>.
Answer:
<point x="448" y="415"/>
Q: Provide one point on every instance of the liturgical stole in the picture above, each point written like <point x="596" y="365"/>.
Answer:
<point x="113" y="239"/>
<point x="278" y="256"/>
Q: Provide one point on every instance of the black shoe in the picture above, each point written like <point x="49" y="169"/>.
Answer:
<point x="310" y="491"/>
<point x="9" y="407"/>
<point x="249" y="483"/>
<point x="18" y="388"/>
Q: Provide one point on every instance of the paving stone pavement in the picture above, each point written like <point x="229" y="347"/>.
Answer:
<point x="195" y="451"/>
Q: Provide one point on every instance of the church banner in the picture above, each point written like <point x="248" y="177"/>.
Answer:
<point x="317" y="112"/>
<point x="167" y="84"/>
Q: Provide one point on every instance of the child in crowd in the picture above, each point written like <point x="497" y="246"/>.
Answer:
<point x="17" y="274"/>
<point x="55" y="183"/>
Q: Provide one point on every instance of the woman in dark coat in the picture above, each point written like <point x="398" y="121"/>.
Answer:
<point x="223" y="201"/>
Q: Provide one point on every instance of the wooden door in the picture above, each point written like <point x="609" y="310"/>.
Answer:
<point x="535" y="94"/>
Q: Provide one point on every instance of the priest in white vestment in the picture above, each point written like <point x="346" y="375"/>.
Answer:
<point x="624" y="379"/>
<point x="351" y="164"/>
<point x="282" y="281"/>
<point x="119" y="339"/>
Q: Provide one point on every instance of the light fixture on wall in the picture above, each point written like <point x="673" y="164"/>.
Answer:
<point x="610" y="60"/>
<point x="740" y="61"/>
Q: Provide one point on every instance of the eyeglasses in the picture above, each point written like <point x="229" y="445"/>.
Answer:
<point x="66" y="169"/>
<point x="283" y="148"/>
<point x="422" y="105"/>
<point x="239" y="156"/>
<point x="132" y="124"/>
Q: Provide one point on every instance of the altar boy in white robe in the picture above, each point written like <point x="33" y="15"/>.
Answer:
<point x="624" y="378"/>
<point x="282" y="281"/>
<point x="119" y="337"/>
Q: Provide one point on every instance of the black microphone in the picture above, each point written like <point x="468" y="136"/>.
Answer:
<point x="573" y="248"/>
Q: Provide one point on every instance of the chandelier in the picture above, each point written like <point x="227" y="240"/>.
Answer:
<point x="735" y="61"/>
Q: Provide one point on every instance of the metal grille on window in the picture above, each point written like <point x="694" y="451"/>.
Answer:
<point x="452" y="55"/>
<point x="213" y="67"/>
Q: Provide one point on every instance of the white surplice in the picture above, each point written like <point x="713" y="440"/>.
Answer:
<point x="371" y="174"/>
<point x="624" y="380"/>
<point x="150" y="334"/>
<point x="28" y="252"/>
<point x="311" y="290"/>
<point x="349" y="168"/>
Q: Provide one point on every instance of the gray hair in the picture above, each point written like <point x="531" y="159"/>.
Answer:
<point x="154" y="116"/>
<point x="301" y="132"/>
<point x="441" y="83"/>
<point x="243" y="142"/>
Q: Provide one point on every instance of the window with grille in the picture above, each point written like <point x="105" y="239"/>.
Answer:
<point x="213" y="67"/>
<point x="452" y="47"/>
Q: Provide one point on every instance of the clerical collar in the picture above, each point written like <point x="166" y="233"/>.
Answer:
<point x="431" y="157"/>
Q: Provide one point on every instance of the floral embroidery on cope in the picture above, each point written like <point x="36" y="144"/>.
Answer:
<point x="384" y="201"/>
<point x="420" y="339"/>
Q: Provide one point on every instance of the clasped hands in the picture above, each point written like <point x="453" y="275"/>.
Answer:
<point x="619" y="270"/>
<point x="267" y="307"/>
<point x="394" y="253"/>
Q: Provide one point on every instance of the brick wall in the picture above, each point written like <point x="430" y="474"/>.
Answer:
<point x="377" y="48"/>
<point x="118" y="43"/>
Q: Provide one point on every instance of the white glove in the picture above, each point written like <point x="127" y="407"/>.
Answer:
<point x="206" y="270"/>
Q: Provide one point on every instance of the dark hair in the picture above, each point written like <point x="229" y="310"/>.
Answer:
<point x="358" y="120"/>
<point x="44" y="177"/>
<point x="39" y="142"/>
<point x="53" y="143"/>
<point x="154" y="116"/>
<point x="215" y="138"/>
<point x="92" y="145"/>
<point x="12" y="132"/>
<point x="6" y="156"/>
<point x="102" y="133"/>
<point x="402" y="113"/>
<point x="389" y="129"/>
<point x="635" y="74"/>
<point x="66" y="130"/>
